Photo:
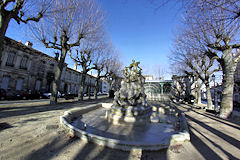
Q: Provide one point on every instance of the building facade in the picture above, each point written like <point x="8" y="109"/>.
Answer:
<point x="24" y="68"/>
<point x="236" y="93"/>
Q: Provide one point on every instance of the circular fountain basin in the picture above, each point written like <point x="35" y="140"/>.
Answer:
<point x="89" y="123"/>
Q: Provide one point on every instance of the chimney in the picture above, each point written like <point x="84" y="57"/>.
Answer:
<point x="75" y="65"/>
<point x="57" y="56"/>
<point x="28" y="44"/>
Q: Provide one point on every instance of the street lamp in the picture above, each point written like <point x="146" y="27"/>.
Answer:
<point x="215" y="95"/>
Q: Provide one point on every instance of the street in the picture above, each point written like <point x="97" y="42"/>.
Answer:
<point x="32" y="131"/>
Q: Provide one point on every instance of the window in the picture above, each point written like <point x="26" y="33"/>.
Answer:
<point x="41" y="68"/>
<point x="75" y="89"/>
<point x="51" y="66"/>
<point x="62" y="86"/>
<point x="10" y="59"/>
<point x="69" y="88"/>
<point x="19" y="84"/>
<point x="24" y="62"/>
<point x="38" y="84"/>
<point x="69" y="76"/>
<point x="5" y="81"/>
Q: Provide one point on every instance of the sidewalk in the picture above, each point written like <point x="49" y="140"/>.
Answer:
<point x="33" y="132"/>
<point x="211" y="136"/>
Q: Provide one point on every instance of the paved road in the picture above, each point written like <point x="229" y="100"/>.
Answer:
<point x="211" y="137"/>
<point x="42" y="101"/>
<point x="24" y="101"/>
<point x="32" y="132"/>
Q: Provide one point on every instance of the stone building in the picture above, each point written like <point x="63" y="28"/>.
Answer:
<point x="148" y="77"/>
<point x="24" y="68"/>
<point x="236" y="94"/>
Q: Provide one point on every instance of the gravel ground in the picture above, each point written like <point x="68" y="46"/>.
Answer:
<point x="31" y="132"/>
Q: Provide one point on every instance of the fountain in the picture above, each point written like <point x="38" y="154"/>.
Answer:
<point x="130" y="103"/>
<point x="129" y="122"/>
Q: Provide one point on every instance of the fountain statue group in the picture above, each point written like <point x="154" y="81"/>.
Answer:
<point x="130" y="103"/>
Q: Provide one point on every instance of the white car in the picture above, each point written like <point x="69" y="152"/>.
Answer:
<point x="48" y="94"/>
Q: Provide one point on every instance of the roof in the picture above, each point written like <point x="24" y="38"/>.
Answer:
<point x="20" y="46"/>
<point x="159" y="81"/>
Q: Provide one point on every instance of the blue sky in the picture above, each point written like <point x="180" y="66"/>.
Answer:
<point x="136" y="29"/>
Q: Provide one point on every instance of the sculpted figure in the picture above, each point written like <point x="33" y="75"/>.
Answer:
<point x="131" y="91"/>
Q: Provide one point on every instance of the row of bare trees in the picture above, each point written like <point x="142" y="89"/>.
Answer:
<point x="73" y="27"/>
<point x="209" y="42"/>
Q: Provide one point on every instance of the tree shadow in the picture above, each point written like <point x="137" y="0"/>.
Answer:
<point x="216" y="145"/>
<point x="154" y="155"/>
<point x="215" y="117"/>
<point x="20" y="111"/>
<point x="227" y="138"/>
<point x="104" y="153"/>
<point x="4" y="125"/>
<point x="49" y="150"/>
<point x="204" y="149"/>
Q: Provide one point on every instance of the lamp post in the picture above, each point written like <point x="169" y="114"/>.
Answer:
<point x="214" y="93"/>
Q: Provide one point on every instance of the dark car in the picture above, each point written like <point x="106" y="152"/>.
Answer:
<point x="22" y="95"/>
<point x="189" y="99"/>
<point x="34" y="95"/>
<point x="69" y="96"/>
<point x="2" y="94"/>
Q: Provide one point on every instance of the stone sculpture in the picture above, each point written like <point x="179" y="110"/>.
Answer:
<point x="130" y="103"/>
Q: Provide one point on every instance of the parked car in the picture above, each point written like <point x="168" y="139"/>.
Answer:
<point x="189" y="99"/>
<point x="48" y="94"/>
<point x="69" y="96"/>
<point x="34" y="95"/>
<point x="22" y="95"/>
<point x="10" y="94"/>
<point x="2" y="94"/>
<point x="105" y="93"/>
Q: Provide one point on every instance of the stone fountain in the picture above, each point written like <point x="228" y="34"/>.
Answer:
<point x="130" y="103"/>
<point x="129" y="122"/>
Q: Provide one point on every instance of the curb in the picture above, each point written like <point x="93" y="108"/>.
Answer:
<point x="183" y="135"/>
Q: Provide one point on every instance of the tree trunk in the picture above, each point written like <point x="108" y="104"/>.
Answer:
<point x="81" y="88"/>
<point x="228" y="84"/>
<point x="89" y="91"/>
<point x="199" y="98"/>
<point x="4" y="21"/>
<point x="56" y="82"/>
<point x="209" y="97"/>
<point x="96" y="88"/>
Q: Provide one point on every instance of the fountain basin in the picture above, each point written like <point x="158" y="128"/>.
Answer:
<point x="89" y="123"/>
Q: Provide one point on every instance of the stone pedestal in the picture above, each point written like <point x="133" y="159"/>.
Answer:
<point x="129" y="114"/>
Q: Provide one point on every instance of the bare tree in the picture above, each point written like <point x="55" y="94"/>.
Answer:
<point x="102" y="63"/>
<point x="198" y="64"/>
<point x="70" y="22"/>
<point x="84" y="57"/>
<point x="230" y="7"/>
<point x="115" y="68"/>
<point x="219" y="38"/>
<point x="160" y="72"/>
<point x="22" y="11"/>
